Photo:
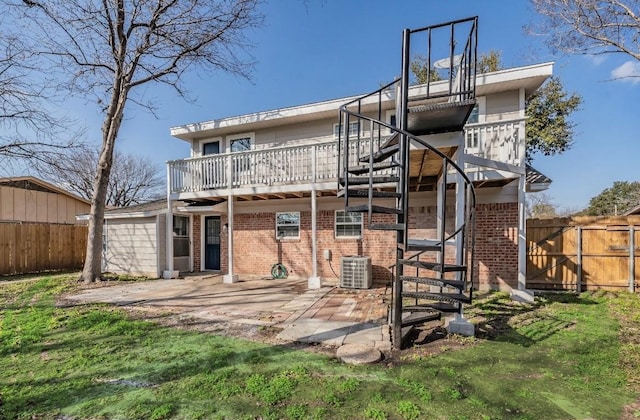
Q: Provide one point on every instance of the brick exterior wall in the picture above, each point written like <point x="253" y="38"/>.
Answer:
<point x="497" y="245"/>
<point x="256" y="247"/>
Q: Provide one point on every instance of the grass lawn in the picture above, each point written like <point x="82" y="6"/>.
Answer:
<point x="566" y="357"/>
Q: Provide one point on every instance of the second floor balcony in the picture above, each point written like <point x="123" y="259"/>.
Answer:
<point x="298" y="168"/>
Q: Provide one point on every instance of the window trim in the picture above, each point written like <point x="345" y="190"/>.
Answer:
<point x="286" y="238"/>
<point x="251" y="136"/>
<point x="336" y="223"/>
<point x="335" y="129"/>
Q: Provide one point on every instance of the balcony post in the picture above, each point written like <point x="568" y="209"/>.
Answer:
<point x="230" y="277"/>
<point x="314" y="280"/>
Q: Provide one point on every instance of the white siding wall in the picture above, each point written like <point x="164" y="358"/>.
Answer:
<point x="132" y="246"/>
<point x="162" y="243"/>
<point x="502" y="106"/>
<point x="499" y="107"/>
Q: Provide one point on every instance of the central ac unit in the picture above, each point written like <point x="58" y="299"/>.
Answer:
<point x="356" y="272"/>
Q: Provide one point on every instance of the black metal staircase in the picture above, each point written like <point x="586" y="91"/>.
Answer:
<point x="378" y="171"/>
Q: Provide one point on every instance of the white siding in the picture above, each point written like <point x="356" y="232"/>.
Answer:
<point x="132" y="246"/>
<point x="162" y="243"/>
<point x="502" y="106"/>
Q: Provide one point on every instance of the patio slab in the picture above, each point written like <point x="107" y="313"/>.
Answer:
<point x="328" y="315"/>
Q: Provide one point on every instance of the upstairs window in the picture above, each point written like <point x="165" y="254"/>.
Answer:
<point x="240" y="145"/>
<point x="288" y="225"/>
<point x="354" y="129"/>
<point x="348" y="224"/>
<point x="474" y="117"/>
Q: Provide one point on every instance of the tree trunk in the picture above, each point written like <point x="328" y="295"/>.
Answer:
<point x="92" y="270"/>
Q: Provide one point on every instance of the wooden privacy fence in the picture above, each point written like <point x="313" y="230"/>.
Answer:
<point x="584" y="253"/>
<point x="35" y="247"/>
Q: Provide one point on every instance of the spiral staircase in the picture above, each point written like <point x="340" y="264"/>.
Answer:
<point x="377" y="172"/>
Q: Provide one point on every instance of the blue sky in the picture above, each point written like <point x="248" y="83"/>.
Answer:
<point x="315" y="50"/>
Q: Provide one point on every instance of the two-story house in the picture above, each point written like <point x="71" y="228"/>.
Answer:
<point x="435" y="170"/>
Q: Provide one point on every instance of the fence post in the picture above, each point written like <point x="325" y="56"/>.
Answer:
<point x="579" y="259"/>
<point x="632" y="259"/>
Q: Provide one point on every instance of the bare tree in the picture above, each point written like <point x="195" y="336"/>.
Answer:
<point x="133" y="179"/>
<point x="28" y="128"/>
<point x="591" y="26"/>
<point x="113" y="48"/>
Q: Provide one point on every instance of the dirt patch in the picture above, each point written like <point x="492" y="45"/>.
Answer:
<point x="631" y="411"/>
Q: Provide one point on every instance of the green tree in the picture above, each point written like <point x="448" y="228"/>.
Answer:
<point x="617" y="199"/>
<point x="549" y="127"/>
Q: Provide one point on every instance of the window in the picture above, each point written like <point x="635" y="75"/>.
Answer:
<point x="288" y="225"/>
<point x="391" y="119"/>
<point x="348" y="224"/>
<point x="180" y="236"/>
<point x="240" y="145"/>
<point x="354" y="129"/>
<point x="211" y="148"/>
<point x="241" y="164"/>
<point x="474" y="117"/>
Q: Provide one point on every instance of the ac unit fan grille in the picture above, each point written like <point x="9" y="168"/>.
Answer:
<point x="356" y="272"/>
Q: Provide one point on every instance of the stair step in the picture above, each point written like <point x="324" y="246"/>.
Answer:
<point x="377" y="166"/>
<point x="363" y="208"/>
<point x="420" y="318"/>
<point x="423" y="245"/>
<point x="386" y="226"/>
<point x="458" y="284"/>
<point x="352" y="192"/>
<point x="374" y="180"/>
<point x="391" y="140"/>
<point x="430" y="307"/>
<point x="382" y="154"/>
<point x="443" y="297"/>
<point x="435" y="266"/>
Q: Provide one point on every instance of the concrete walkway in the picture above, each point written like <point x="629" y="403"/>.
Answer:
<point x="329" y="315"/>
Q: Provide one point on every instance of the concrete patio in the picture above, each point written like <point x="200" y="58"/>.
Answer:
<point x="329" y="315"/>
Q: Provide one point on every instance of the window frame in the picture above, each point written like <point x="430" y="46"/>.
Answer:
<point x="185" y="237"/>
<point x="283" y="237"/>
<point x="336" y="224"/>
<point x="241" y="136"/>
<point x="360" y="129"/>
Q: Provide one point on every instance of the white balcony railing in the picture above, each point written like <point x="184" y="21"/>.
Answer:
<point x="317" y="163"/>
<point x="501" y="141"/>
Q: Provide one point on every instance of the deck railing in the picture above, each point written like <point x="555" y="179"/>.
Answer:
<point x="314" y="163"/>
<point x="502" y="141"/>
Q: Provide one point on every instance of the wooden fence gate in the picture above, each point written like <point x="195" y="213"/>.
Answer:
<point x="584" y="253"/>
<point x="34" y="247"/>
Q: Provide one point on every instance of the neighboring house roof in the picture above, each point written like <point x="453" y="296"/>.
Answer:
<point x="635" y="210"/>
<point x="151" y="208"/>
<point x="528" y="77"/>
<point x="35" y="184"/>
<point x="536" y="180"/>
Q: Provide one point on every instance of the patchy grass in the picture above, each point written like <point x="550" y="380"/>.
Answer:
<point x="565" y="357"/>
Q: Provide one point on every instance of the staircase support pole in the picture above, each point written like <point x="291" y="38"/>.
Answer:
<point x="403" y="189"/>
